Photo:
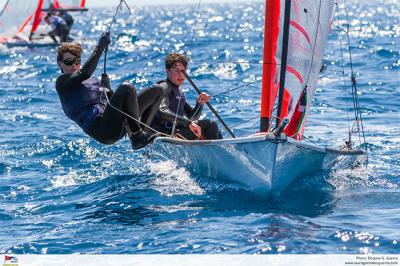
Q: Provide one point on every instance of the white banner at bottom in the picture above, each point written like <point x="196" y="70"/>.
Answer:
<point x="197" y="260"/>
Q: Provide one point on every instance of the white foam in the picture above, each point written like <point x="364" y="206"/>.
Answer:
<point x="172" y="180"/>
<point x="64" y="180"/>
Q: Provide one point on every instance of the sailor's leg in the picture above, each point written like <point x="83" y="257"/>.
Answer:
<point x="52" y="35"/>
<point x="59" y="31"/>
<point x="65" y="33"/>
<point x="109" y="128"/>
<point x="186" y="132"/>
<point x="125" y="99"/>
<point x="209" y="129"/>
<point x="149" y="100"/>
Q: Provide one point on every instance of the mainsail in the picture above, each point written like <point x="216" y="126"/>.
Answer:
<point x="308" y="27"/>
<point x="16" y="16"/>
<point x="21" y="18"/>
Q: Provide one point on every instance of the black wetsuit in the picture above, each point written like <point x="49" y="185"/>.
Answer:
<point x="85" y="103"/>
<point x="174" y="107"/>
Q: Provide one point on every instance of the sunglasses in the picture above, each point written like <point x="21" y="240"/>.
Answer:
<point x="72" y="61"/>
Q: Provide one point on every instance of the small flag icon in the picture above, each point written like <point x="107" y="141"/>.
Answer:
<point x="10" y="260"/>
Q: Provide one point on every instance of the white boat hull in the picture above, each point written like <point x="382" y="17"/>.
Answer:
<point x="261" y="163"/>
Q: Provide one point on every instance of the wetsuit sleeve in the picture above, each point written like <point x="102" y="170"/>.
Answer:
<point x="193" y="113"/>
<point x="166" y="114"/>
<point x="67" y="81"/>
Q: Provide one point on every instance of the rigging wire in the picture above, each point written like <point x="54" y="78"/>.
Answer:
<point x="195" y="22"/>
<point x="117" y="11"/>
<point x="242" y="123"/>
<point x="236" y="88"/>
<point x="315" y="42"/>
<point x="356" y="102"/>
<point x="250" y="127"/>
<point x="349" y="141"/>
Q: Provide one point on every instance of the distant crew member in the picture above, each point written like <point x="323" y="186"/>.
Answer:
<point x="83" y="99"/>
<point x="67" y="17"/>
<point x="58" y="26"/>
<point x="174" y="107"/>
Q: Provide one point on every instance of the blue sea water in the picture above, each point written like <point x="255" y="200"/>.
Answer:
<point x="61" y="192"/>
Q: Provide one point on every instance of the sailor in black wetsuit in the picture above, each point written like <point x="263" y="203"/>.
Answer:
<point x="175" y="108"/>
<point x="83" y="98"/>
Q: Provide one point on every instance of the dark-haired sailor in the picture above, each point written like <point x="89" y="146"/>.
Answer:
<point x="58" y="26"/>
<point x="175" y="109"/>
<point x="84" y="100"/>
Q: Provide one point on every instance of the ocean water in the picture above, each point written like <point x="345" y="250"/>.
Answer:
<point x="61" y="192"/>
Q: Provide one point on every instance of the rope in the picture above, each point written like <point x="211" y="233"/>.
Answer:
<point x="176" y="118"/>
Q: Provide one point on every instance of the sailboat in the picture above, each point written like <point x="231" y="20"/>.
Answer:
<point x="267" y="162"/>
<point x="21" y="21"/>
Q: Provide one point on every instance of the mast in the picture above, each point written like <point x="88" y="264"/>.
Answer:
<point x="268" y="87"/>
<point x="285" y="45"/>
<point x="37" y="18"/>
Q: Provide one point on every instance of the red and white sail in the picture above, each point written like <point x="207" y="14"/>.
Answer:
<point x="21" y="18"/>
<point x="310" y="22"/>
<point x="18" y="16"/>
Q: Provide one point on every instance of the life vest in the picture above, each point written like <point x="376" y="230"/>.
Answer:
<point x="83" y="104"/>
<point x="56" y="21"/>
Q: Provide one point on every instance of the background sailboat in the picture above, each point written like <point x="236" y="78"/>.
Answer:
<point x="295" y="36"/>
<point x="21" y="22"/>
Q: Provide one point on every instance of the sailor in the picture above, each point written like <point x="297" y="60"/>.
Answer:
<point x="59" y="27"/>
<point x="175" y="109"/>
<point x="67" y="18"/>
<point x="100" y="112"/>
